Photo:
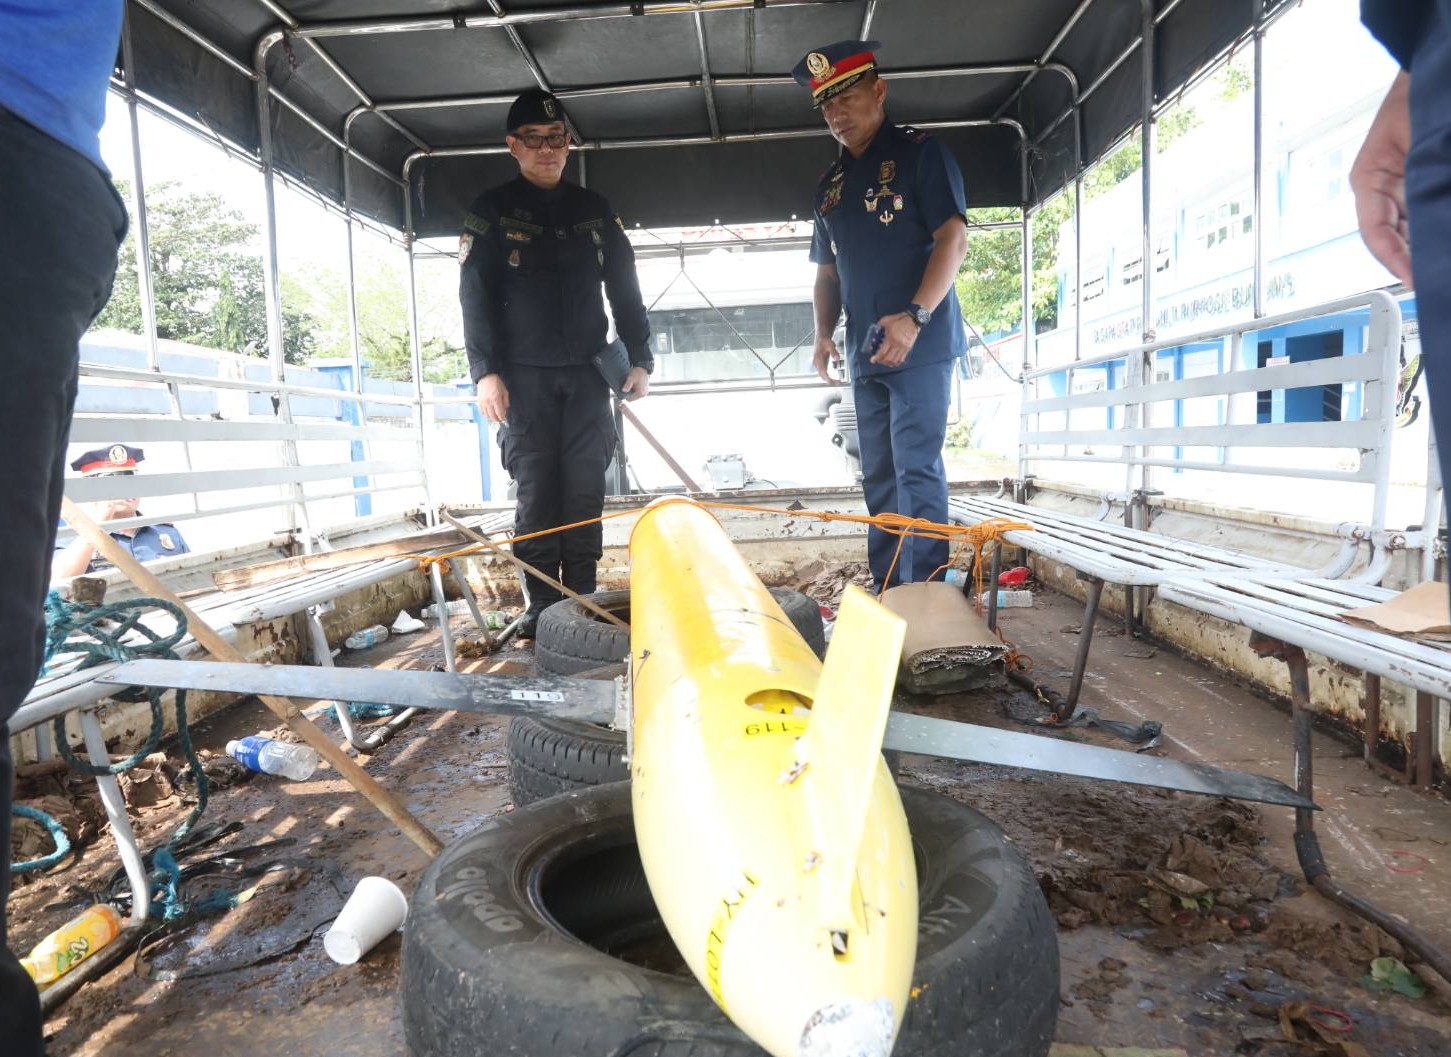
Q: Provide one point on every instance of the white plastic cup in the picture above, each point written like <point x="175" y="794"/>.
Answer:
<point x="376" y="908"/>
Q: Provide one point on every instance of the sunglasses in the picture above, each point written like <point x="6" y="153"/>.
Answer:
<point x="536" y="140"/>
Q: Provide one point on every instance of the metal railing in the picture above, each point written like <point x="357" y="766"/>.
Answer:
<point x="381" y="439"/>
<point x="1048" y="432"/>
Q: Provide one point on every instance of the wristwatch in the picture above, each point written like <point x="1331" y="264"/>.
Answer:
<point x="919" y="315"/>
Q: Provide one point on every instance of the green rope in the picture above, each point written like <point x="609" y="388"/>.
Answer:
<point x="57" y="834"/>
<point x="105" y="627"/>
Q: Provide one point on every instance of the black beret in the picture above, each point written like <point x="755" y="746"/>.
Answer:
<point x="534" y="107"/>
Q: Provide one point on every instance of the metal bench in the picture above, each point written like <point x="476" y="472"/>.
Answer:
<point x="1290" y="616"/>
<point x="70" y="689"/>
<point x="1053" y="429"/>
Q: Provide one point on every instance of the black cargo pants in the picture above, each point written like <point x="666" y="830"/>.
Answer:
<point x="60" y="224"/>
<point x="556" y="445"/>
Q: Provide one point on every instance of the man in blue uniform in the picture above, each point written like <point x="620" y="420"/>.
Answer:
<point x="60" y="227"/>
<point x="533" y="256"/>
<point x="890" y="235"/>
<point x="1402" y="182"/>
<point x="145" y="543"/>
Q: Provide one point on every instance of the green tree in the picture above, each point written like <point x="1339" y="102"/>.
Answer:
<point x="989" y="284"/>
<point x="383" y="329"/>
<point x="206" y="276"/>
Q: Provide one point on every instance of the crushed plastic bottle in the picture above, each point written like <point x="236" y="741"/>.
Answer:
<point x="455" y="608"/>
<point x="72" y="943"/>
<point x="1011" y="599"/>
<point x="266" y="756"/>
<point x="361" y="640"/>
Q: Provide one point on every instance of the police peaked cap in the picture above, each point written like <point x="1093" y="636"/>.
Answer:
<point x="118" y="458"/>
<point x="836" y="67"/>
<point x="534" y="107"/>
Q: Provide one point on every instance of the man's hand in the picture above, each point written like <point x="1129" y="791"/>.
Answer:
<point x="899" y="335"/>
<point x="824" y="357"/>
<point x="115" y="510"/>
<point x="1378" y="179"/>
<point x="637" y="384"/>
<point x="493" y="398"/>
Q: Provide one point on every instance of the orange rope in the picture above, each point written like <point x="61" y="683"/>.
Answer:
<point x="973" y="536"/>
<point x="966" y="537"/>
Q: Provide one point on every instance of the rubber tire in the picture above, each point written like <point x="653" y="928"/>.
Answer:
<point x="552" y="756"/>
<point x="495" y="958"/>
<point x="570" y="639"/>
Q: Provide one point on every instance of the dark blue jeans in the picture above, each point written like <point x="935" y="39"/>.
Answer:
<point x="901" y="421"/>
<point x="60" y="224"/>
<point x="1428" y="200"/>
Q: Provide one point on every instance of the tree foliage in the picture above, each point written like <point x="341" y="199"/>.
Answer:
<point x="383" y="331"/>
<point x="989" y="284"/>
<point x="206" y="274"/>
<point x="208" y="287"/>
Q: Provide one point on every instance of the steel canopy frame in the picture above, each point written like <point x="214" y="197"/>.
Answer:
<point x="707" y="83"/>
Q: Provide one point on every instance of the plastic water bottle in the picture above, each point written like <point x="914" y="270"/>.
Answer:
<point x="455" y="608"/>
<point x="274" y="757"/>
<point x="956" y="577"/>
<point x="72" y="943"/>
<point x="1011" y="599"/>
<point x="361" y="640"/>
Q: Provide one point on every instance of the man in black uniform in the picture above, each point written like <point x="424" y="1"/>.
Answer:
<point x="533" y="255"/>
<point x="1402" y="182"/>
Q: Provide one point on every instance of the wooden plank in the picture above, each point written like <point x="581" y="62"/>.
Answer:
<point x="283" y="568"/>
<point x="679" y="470"/>
<point x="285" y="709"/>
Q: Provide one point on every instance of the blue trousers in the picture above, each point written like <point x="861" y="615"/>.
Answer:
<point x="1428" y="201"/>
<point x="901" y="421"/>
<point x="60" y="224"/>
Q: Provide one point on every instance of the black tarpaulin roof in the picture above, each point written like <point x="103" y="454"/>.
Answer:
<point x="684" y="110"/>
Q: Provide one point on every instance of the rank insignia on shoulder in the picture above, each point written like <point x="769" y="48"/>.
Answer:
<point x="513" y="258"/>
<point x="916" y="135"/>
<point x="465" y="244"/>
<point x="887" y="173"/>
<point x="620" y="222"/>
<point x="831" y="199"/>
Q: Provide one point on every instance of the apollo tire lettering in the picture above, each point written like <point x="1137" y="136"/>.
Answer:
<point x="470" y="887"/>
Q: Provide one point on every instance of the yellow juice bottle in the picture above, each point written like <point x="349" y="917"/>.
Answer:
<point x="72" y="943"/>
